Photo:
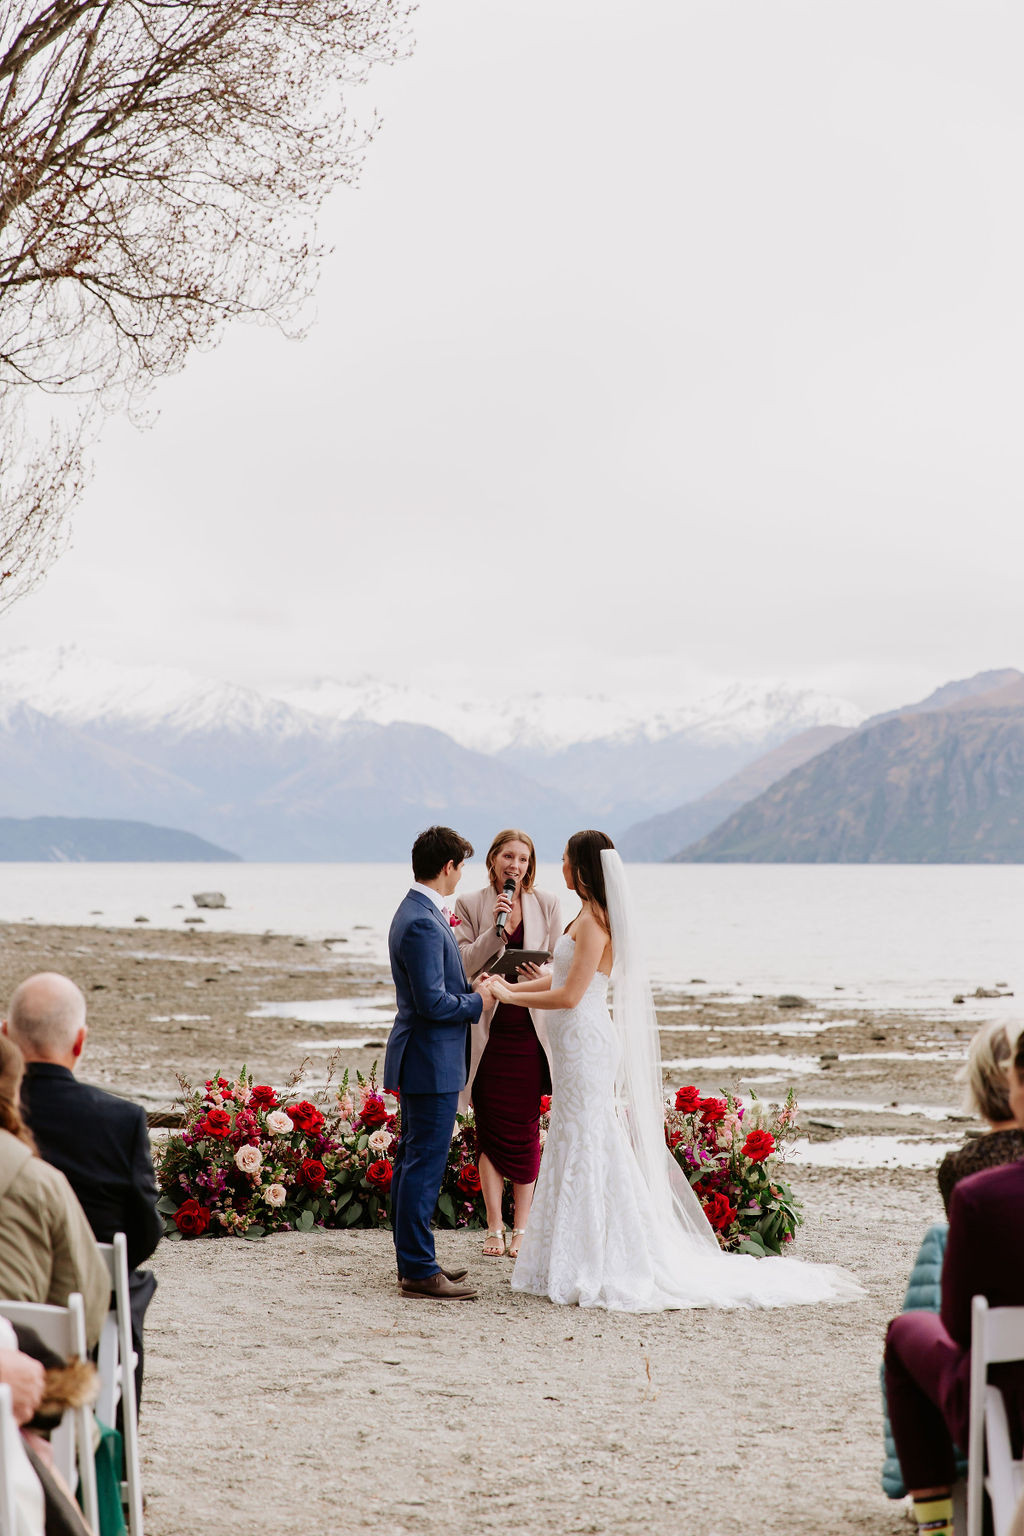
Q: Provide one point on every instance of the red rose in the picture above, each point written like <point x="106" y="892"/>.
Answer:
<point x="192" y="1219"/>
<point x="374" y="1112"/>
<point x="379" y="1174"/>
<point x="545" y="1103"/>
<point x="469" y="1179"/>
<point x="306" y="1117"/>
<point x="687" y="1100"/>
<point x="313" y="1172"/>
<point x="712" y="1110"/>
<point x="263" y="1097"/>
<point x="758" y="1146"/>
<point x="217" y="1124"/>
<point x="719" y="1212"/>
<point x="674" y="1139"/>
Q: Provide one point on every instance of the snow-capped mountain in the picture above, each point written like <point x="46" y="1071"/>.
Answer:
<point x="81" y="690"/>
<point x="350" y="770"/>
<point x="549" y="724"/>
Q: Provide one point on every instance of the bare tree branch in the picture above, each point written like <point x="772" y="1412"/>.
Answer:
<point x="162" y="163"/>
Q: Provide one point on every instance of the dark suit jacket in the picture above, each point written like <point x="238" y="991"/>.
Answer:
<point x="984" y="1257"/>
<point x="428" y="1048"/>
<point x="101" y="1144"/>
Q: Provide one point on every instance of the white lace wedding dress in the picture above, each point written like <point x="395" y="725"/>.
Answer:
<point x="604" y="1234"/>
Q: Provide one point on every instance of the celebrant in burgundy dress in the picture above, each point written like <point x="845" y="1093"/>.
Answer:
<point x="508" y="1070"/>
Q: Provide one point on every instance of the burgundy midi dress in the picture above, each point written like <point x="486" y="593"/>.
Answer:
<point x="512" y="1075"/>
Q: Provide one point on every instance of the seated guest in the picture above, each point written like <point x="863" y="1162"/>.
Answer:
<point x="99" y="1141"/>
<point x="47" y="1249"/>
<point x="988" y="1095"/>
<point x="928" y="1355"/>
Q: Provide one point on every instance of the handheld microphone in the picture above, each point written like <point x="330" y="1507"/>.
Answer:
<point x="508" y="889"/>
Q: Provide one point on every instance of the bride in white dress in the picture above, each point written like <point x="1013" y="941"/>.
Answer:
<point x="614" y="1221"/>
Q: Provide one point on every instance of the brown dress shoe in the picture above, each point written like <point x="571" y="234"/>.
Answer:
<point x="454" y="1275"/>
<point x="438" y="1288"/>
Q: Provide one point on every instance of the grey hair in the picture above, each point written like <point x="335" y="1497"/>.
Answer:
<point x="987" y="1071"/>
<point x="45" y="1014"/>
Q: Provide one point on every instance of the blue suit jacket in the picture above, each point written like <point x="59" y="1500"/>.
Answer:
<point x="428" y="1048"/>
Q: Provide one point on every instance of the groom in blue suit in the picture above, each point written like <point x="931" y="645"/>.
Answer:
<point x="427" y="1057"/>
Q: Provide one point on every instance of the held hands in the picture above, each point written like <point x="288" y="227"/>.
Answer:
<point x="501" y="992"/>
<point x="26" y="1379"/>
<point x="484" y="984"/>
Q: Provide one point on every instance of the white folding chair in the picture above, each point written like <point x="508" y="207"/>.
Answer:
<point x="63" y="1329"/>
<point x="8" y="1430"/>
<point x="117" y="1362"/>
<point x="997" y="1336"/>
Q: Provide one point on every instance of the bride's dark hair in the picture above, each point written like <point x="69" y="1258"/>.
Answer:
<point x="584" y="853"/>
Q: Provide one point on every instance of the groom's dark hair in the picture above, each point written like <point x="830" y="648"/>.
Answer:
<point x="435" y="848"/>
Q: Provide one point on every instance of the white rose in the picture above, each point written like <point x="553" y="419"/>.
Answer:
<point x="249" y="1159"/>
<point x="543" y="1135"/>
<point x="278" y="1123"/>
<point x="275" y="1194"/>
<point x="380" y="1140"/>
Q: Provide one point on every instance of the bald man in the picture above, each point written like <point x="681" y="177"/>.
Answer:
<point x="99" y="1142"/>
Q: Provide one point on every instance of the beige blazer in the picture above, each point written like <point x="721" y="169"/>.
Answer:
<point x="479" y="944"/>
<point x="47" y="1249"/>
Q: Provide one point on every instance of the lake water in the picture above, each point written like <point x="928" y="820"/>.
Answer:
<point x="896" y="935"/>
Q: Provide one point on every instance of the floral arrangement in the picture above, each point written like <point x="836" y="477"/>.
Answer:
<point x="731" y="1155"/>
<point x="251" y="1159"/>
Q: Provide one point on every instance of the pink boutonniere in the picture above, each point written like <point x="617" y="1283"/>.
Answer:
<point x="455" y="922"/>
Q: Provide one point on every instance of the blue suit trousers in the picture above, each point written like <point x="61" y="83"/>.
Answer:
<point x="428" y="1120"/>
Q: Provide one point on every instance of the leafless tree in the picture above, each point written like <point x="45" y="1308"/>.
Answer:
<point x="161" y="167"/>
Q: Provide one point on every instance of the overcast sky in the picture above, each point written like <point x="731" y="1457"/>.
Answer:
<point x="666" y="341"/>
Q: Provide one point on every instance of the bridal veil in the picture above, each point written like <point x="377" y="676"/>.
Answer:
<point x="693" y="1270"/>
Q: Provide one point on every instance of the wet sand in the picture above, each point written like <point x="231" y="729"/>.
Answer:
<point x="290" y="1387"/>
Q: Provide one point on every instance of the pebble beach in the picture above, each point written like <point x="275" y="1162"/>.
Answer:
<point x="290" y="1385"/>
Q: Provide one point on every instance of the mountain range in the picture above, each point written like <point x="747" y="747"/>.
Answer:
<point x="940" y="781"/>
<point x="351" y="771"/>
<point x="83" y="840"/>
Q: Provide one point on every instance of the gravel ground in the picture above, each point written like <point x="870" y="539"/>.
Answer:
<point x="290" y="1387"/>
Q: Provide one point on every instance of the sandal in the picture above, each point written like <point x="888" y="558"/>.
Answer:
<point x="519" y="1232"/>
<point x="491" y="1250"/>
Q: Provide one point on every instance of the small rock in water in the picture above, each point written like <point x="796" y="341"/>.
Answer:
<point x="987" y="992"/>
<point x="791" y="1000"/>
<point x="697" y="981"/>
<point x="958" y="998"/>
<point x="878" y="1034"/>
<point x="829" y="1056"/>
<point x="96" y="912"/>
<point x="837" y="988"/>
<point x="142" y="919"/>
<point x="210" y="899"/>
<point x="179" y="906"/>
<point x="329" y="942"/>
<point x="827" y="1125"/>
<point x="195" y="919"/>
<point x="98" y="986"/>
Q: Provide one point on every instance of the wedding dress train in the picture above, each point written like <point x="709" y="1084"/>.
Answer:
<point x="614" y="1223"/>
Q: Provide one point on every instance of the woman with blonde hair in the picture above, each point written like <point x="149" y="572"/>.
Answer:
<point x="508" y="1070"/>
<point x="987" y="1075"/>
<point x="47" y="1249"/>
